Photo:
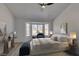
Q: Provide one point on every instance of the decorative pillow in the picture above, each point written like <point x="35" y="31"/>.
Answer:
<point x="52" y="37"/>
<point x="55" y="39"/>
<point x="59" y="37"/>
<point x="63" y="39"/>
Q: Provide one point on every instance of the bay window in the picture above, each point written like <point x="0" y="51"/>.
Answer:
<point x="37" y="28"/>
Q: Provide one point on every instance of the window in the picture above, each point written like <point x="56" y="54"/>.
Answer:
<point x="34" y="29"/>
<point x="27" y="29"/>
<point x="37" y="28"/>
<point x="46" y="29"/>
<point x="40" y="28"/>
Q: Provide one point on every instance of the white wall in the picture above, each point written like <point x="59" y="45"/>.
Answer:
<point x="71" y="16"/>
<point x="20" y="30"/>
<point x="6" y="18"/>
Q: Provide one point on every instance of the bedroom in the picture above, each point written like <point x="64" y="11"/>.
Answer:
<point x="49" y="20"/>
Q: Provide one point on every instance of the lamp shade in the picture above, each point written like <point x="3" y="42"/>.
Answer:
<point x="73" y="35"/>
<point x="51" y="32"/>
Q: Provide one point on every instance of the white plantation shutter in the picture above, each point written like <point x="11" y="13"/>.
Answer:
<point x="27" y="29"/>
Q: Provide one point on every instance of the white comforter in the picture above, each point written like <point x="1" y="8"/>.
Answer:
<point x="45" y="45"/>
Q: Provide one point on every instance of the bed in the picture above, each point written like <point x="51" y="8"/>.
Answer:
<point x="40" y="46"/>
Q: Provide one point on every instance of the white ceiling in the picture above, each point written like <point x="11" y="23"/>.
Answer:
<point x="34" y="11"/>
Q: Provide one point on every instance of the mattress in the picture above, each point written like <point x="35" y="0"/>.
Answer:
<point x="45" y="45"/>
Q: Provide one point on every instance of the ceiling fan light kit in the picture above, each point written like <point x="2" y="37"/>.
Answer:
<point x="43" y="5"/>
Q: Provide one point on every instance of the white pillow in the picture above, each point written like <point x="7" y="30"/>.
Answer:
<point x="54" y="37"/>
<point x="63" y="39"/>
<point x="60" y="37"/>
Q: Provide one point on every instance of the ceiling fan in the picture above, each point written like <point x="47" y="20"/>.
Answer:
<point x="43" y="5"/>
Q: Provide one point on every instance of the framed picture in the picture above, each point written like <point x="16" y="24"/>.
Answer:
<point x="64" y="28"/>
<point x="2" y="26"/>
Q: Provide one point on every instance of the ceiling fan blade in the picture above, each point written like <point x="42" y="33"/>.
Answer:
<point x="42" y="4"/>
<point x="50" y="3"/>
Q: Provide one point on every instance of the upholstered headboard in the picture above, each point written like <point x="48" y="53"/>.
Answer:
<point x="40" y="35"/>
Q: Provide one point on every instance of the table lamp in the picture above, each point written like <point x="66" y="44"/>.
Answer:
<point x="51" y="32"/>
<point x="73" y="37"/>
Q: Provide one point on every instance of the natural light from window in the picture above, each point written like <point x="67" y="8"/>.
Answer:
<point x="37" y="28"/>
